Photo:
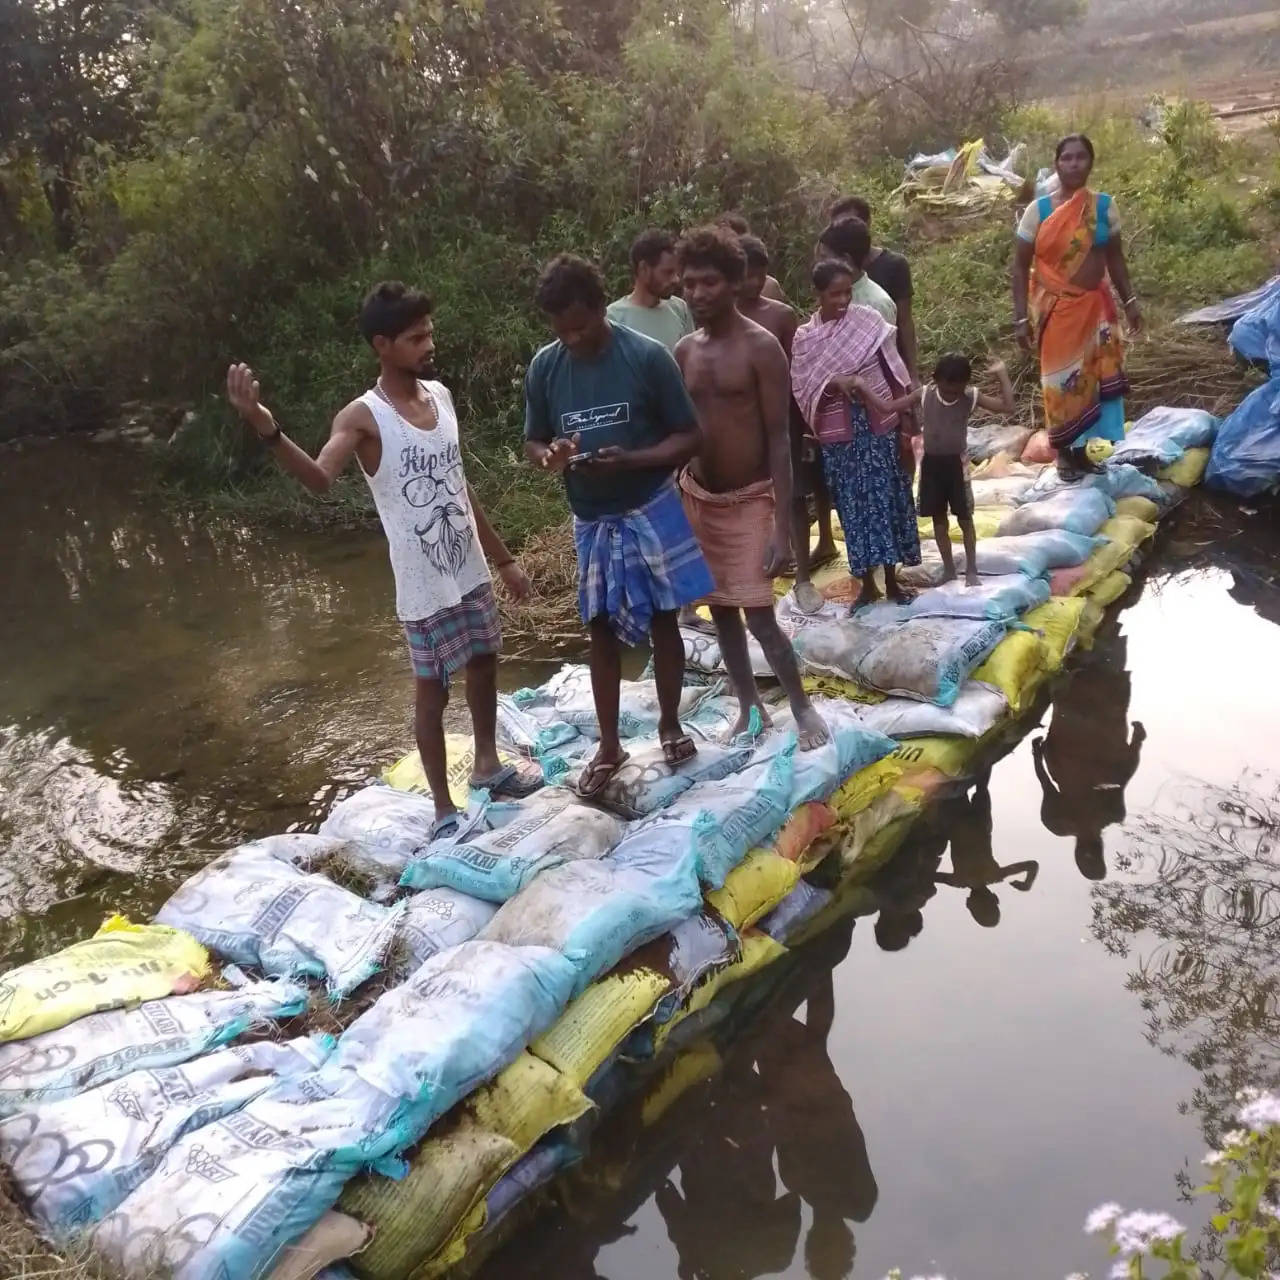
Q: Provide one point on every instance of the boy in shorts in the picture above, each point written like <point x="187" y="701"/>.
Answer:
<point x="944" y="408"/>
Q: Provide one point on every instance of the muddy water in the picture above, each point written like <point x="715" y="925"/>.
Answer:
<point x="1065" y="982"/>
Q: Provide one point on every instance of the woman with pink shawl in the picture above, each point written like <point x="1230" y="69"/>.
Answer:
<point x="839" y="343"/>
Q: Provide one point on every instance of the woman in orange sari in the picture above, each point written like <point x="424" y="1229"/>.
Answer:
<point x="1068" y="256"/>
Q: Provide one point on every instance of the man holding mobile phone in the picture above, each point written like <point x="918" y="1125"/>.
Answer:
<point x="612" y="402"/>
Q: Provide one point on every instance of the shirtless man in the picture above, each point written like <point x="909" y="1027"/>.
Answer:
<point x="806" y="461"/>
<point x="737" y="375"/>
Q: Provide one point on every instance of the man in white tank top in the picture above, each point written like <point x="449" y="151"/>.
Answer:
<point x="404" y="435"/>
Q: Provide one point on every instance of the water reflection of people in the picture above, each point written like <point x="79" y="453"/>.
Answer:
<point x="822" y="1152"/>
<point x="904" y="886"/>
<point x="1087" y="757"/>
<point x="782" y="1095"/>
<point x="973" y="863"/>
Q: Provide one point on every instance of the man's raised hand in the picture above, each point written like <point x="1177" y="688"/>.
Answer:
<point x="242" y="391"/>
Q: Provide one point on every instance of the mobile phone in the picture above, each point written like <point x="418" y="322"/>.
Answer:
<point x="577" y="458"/>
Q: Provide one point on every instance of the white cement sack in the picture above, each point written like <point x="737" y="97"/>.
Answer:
<point x="265" y="913"/>
<point x="647" y="783"/>
<point x="1076" y="510"/>
<point x="1004" y="491"/>
<point x="550" y="827"/>
<point x="1032" y="554"/>
<point x="433" y="921"/>
<point x="75" y="1160"/>
<point x="391" y="825"/>
<point x="297" y="848"/>
<point x="157" y="1033"/>
<point x="569" y="690"/>
<point x="976" y="710"/>
<point x="996" y="598"/>
<point x="595" y="913"/>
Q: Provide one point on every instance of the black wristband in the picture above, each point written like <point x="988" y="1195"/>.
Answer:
<point x="275" y="435"/>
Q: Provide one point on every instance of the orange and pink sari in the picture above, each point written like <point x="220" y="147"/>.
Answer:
<point x="1081" y="353"/>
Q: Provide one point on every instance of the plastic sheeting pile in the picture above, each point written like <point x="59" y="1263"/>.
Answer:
<point x="533" y="963"/>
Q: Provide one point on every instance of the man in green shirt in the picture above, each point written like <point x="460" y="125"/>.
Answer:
<point x="650" y="308"/>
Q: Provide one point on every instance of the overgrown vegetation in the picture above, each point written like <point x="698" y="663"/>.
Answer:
<point x="279" y="157"/>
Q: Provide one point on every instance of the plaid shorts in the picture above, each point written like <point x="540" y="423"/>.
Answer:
<point x="447" y="640"/>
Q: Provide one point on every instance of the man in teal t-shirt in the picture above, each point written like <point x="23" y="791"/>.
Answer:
<point x="650" y="308"/>
<point x="607" y="408"/>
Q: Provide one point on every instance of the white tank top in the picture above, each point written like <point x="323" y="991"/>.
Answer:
<point x="421" y="496"/>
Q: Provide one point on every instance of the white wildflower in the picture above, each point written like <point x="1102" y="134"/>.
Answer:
<point x="1102" y="1218"/>
<point x="311" y="173"/>
<point x="1261" y="1113"/>
<point x="1235" y="1138"/>
<point x="1247" y="1095"/>
<point x="1119" y="1271"/>
<point x="1135" y="1231"/>
<point x="1269" y="1209"/>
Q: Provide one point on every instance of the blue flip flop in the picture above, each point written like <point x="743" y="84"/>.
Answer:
<point x="509" y="781"/>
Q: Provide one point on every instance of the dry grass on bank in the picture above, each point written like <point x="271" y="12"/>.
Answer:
<point x="548" y="621"/>
<point x="24" y="1256"/>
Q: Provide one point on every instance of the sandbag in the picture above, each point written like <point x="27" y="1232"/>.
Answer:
<point x="552" y="826"/>
<point x="75" y="1160"/>
<point x="1076" y="510"/>
<point x="390" y="825"/>
<point x="998" y="598"/>
<point x="1129" y="531"/>
<point x="647" y="783"/>
<point x="263" y="912"/>
<point x="121" y="964"/>
<point x="1000" y="437"/>
<point x="976" y="710"/>
<point x="789" y="917"/>
<point x="1015" y="669"/>
<point x="1057" y="624"/>
<point x="433" y="921"/>
<point x="986" y="520"/>
<point x="874" y="835"/>
<point x="321" y="1252"/>
<point x="1140" y="508"/>
<point x="1111" y="588"/>
<point x="924" y="658"/>
<point x="865" y="787"/>
<point x="460" y="761"/>
<point x="569" y="692"/>
<point x="594" y="913"/>
<point x="829" y="686"/>
<point x="1038" y="448"/>
<point x="754" y="887"/>
<point x="1032" y="554"/>
<point x="946" y="754"/>
<point x="157" y="1033"/>
<point x="799" y="839"/>
<point x="1161" y="436"/>
<point x="1109" y="557"/>
<point x="457" y="1021"/>
<point x="1189" y="470"/>
<point x="230" y="1198"/>
<point x="1002" y="491"/>
<point x="452" y="1171"/>
<point x="300" y="849"/>
<point x="1116" y="479"/>
<point x="530" y="731"/>
<point x="1246" y="454"/>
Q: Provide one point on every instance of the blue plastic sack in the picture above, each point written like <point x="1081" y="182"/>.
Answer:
<point x="1246" y="455"/>
<point x="718" y="821"/>
<point x="595" y="913"/>
<point x="1234" y="307"/>
<point x="550" y="827"/>
<point x="1000" y="598"/>
<point x="1032" y="554"/>
<point x="1256" y="335"/>
<point x="1164" y="434"/>
<point x="818" y="773"/>
<point x="1075" y="510"/>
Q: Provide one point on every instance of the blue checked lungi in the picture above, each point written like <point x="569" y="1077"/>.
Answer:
<point x="638" y="563"/>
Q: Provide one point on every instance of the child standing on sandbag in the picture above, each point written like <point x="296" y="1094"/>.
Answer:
<point x="945" y="407"/>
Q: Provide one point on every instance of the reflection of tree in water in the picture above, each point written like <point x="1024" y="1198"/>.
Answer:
<point x="1203" y="881"/>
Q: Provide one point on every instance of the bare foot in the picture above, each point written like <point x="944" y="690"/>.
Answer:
<point x="971" y="578"/>
<point x="691" y="620"/>
<point x="811" y="730"/>
<point x="823" y="554"/>
<point x="743" y="723"/>
<point x="948" y="575"/>
<point x="869" y="594"/>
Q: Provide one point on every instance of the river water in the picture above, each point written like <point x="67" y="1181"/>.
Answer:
<point x="1066" y="981"/>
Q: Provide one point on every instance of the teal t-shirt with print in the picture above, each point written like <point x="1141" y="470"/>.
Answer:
<point x="631" y="395"/>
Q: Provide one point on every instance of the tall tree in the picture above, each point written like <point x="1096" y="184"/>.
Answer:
<point x="70" y="80"/>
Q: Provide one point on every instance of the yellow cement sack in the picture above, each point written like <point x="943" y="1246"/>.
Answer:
<point x="949" y="754"/>
<point x="986" y="521"/>
<point x="1090" y="620"/>
<point x="865" y="787"/>
<point x="754" y="887"/>
<point x="860" y="831"/>
<point x="1188" y="470"/>
<point x="1140" y="508"/>
<point x="835" y="687"/>
<point x="1015" y="667"/>
<point x="1128" y="530"/>
<point x="460" y="759"/>
<point x="417" y="1220"/>
<point x="591" y="1028"/>
<point x="122" y="964"/>
<point x="1111" y="588"/>
<point x="800" y="840"/>
<point x="1057" y="622"/>
<point x="758" y="950"/>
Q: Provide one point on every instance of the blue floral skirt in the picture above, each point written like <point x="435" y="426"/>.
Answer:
<point x="872" y="497"/>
